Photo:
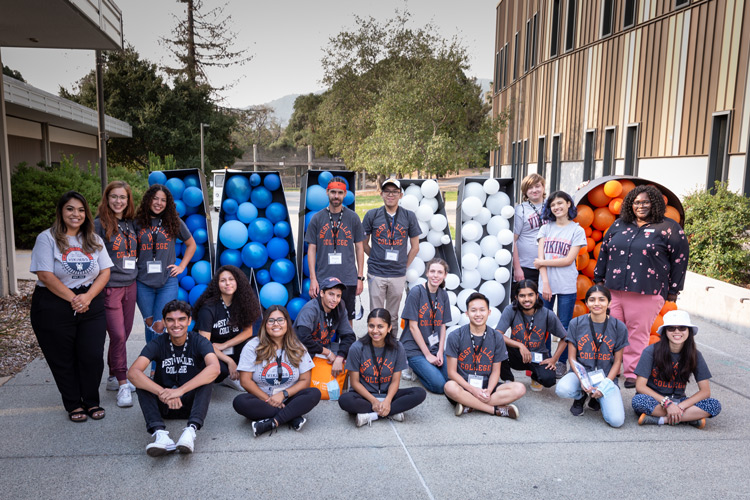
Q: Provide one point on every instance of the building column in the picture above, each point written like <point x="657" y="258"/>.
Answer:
<point x="46" y="146"/>
<point x="8" y="283"/>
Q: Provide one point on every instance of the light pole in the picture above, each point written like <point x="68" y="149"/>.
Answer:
<point x="203" y="125"/>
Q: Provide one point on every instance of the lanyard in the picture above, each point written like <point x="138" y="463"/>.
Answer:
<point x="175" y="361"/>
<point x="477" y="350"/>
<point x="392" y="225"/>
<point x="335" y="227"/>
<point x="377" y="365"/>
<point x="601" y="339"/>
<point x="535" y="211"/>
<point x="154" y="233"/>
<point x="226" y="309"/>
<point x="126" y="233"/>
<point x="528" y="328"/>
<point x="279" y="372"/>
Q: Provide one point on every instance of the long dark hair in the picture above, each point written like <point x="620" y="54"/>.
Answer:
<point x="601" y="289"/>
<point x="59" y="230"/>
<point x="380" y="313"/>
<point x="663" y="358"/>
<point x="527" y="284"/>
<point x="266" y="350"/>
<point x="170" y="219"/>
<point x="245" y="308"/>
<point x="657" y="204"/>
<point x="547" y="213"/>
<point x="107" y="216"/>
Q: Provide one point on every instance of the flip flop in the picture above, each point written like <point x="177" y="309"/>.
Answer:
<point x="96" y="412"/>
<point x="77" y="416"/>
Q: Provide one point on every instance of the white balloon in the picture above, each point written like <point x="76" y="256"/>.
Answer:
<point x="426" y="251"/>
<point x="461" y="299"/>
<point x="418" y="265"/>
<point x="455" y="316"/>
<point x="471" y="231"/>
<point x="502" y="275"/>
<point x="474" y="189"/>
<point x="413" y="190"/>
<point x="484" y="216"/>
<point x="494" y="291"/>
<point x="451" y="297"/>
<point x="491" y="186"/>
<point x="497" y="223"/>
<point x="409" y="202"/>
<point x="469" y="261"/>
<point x="435" y="238"/>
<point x="487" y="267"/>
<point x="503" y="257"/>
<point x="508" y="211"/>
<point x="419" y="282"/>
<point x="438" y="222"/>
<point x="471" y="206"/>
<point x="463" y="320"/>
<point x="471" y="247"/>
<point x="446" y="239"/>
<point x="425" y="227"/>
<point x="430" y="202"/>
<point x="504" y="197"/>
<point x="452" y="281"/>
<point x="494" y="317"/>
<point x="453" y="328"/>
<point x="496" y="202"/>
<point x="489" y="245"/>
<point x="425" y="213"/>
<point x="471" y="278"/>
<point x="430" y="188"/>
<point x="505" y="236"/>
<point x="412" y="275"/>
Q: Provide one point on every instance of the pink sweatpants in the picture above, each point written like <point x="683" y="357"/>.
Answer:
<point x="638" y="312"/>
<point x="119" y="307"/>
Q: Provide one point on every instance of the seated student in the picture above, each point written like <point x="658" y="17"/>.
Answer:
<point x="275" y="370"/>
<point x="663" y="372"/>
<point x="186" y="366"/>
<point x="531" y="323"/>
<point x="595" y="341"/>
<point x="375" y="362"/>
<point x="474" y="353"/>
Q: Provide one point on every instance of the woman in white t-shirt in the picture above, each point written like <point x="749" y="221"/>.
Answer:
<point x="275" y="369"/>
<point x="67" y="309"/>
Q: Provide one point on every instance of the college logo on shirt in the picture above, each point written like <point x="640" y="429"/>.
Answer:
<point x="148" y="243"/>
<point x="368" y="371"/>
<point x="555" y="246"/>
<point x="535" y="222"/>
<point x="77" y="263"/>
<point x="536" y="336"/>
<point x="428" y="317"/>
<point x="120" y="245"/>
<point x="469" y="361"/>
<point x="383" y="238"/>
<point x="322" y="335"/>
<point x="671" y="385"/>
<point x="587" y="348"/>
<point x="271" y="373"/>
<point x="325" y="235"/>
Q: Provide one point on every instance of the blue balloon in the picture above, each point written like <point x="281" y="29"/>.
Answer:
<point x="156" y="177"/>
<point x="260" y="230"/>
<point x="176" y="187"/>
<point x="278" y="248"/>
<point x="254" y="255"/>
<point x="182" y="295"/>
<point x="348" y="198"/>
<point x="192" y="196"/>
<point x="195" y="293"/>
<point x="247" y="212"/>
<point x="255" y="180"/>
<point x="200" y="236"/>
<point x="262" y="276"/>
<point x="316" y="198"/>
<point x="233" y="234"/>
<point x="187" y="283"/>
<point x="191" y="210"/>
<point x="200" y="251"/>
<point x="196" y="221"/>
<point x="294" y="306"/>
<point x="184" y="273"/>
<point x="305" y="267"/>
<point x="282" y="229"/>
<point x="229" y="217"/>
<point x="282" y="271"/>
<point x="231" y="257"/>
<point x="305" y="289"/>
<point x="308" y="218"/>
<point x="180" y="206"/>
<point x="346" y="183"/>
<point x="179" y="248"/>
<point x="238" y="188"/>
<point x="276" y="212"/>
<point x="201" y="272"/>
<point x="261" y="197"/>
<point x="230" y="206"/>
<point x="324" y="178"/>
<point x="273" y="294"/>
<point x="192" y="181"/>
<point x="272" y="182"/>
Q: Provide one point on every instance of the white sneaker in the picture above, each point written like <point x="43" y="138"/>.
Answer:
<point x="363" y="419"/>
<point x="124" y="397"/>
<point x="398" y="417"/>
<point x="234" y="384"/>
<point x="186" y="443"/>
<point x="407" y="374"/>
<point x="536" y="386"/>
<point x="162" y="445"/>
<point x="114" y="385"/>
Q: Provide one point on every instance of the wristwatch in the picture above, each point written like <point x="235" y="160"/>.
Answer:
<point x="286" y="394"/>
<point x="361" y="278"/>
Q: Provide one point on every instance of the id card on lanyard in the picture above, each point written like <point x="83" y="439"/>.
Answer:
<point x="391" y="254"/>
<point x="597" y="374"/>
<point x="154" y="266"/>
<point x="474" y="379"/>
<point x="335" y="258"/>
<point x="434" y="338"/>
<point x="128" y="262"/>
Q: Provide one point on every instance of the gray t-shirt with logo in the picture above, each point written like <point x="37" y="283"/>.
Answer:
<point x="479" y="361"/>
<point x="531" y="330"/>
<point x="163" y="249"/>
<point x="611" y="341"/>
<point x="671" y="388"/>
<point x="557" y="243"/>
<point x="429" y="319"/>
<point x="389" y="233"/>
<point x="74" y="267"/>
<point x="123" y="243"/>
<point x="526" y="224"/>
<point x="376" y="381"/>
<point x="266" y="374"/>
<point x="320" y="232"/>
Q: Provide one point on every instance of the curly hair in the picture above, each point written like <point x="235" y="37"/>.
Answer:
<point x="107" y="216"/>
<point x="657" y="204"/>
<point x="170" y="218"/>
<point x="266" y="350"/>
<point x="547" y="212"/>
<point x="244" y="309"/>
<point x="89" y="241"/>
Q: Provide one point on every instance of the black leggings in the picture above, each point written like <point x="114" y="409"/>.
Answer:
<point x="295" y="406"/>
<point x="538" y="372"/>
<point x="404" y="400"/>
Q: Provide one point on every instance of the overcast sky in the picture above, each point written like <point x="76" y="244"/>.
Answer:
<point x="286" y="38"/>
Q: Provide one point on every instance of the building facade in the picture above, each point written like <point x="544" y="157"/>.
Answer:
<point x="654" y="88"/>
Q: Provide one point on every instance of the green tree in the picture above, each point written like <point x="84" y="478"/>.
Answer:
<point x="13" y="73"/>
<point x="256" y="125"/>
<point x="304" y="127"/>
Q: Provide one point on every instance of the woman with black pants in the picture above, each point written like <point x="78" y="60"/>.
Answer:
<point x="67" y="309"/>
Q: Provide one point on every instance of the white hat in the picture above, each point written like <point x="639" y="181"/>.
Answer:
<point x="391" y="180"/>
<point x="678" y="318"/>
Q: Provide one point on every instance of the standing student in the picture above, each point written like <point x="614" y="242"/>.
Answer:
<point x="595" y="341"/>
<point x="531" y="326"/>
<point x="335" y="246"/>
<point x="159" y="226"/>
<point x="116" y="227"/>
<point x="375" y="362"/>
<point x="388" y="230"/>
<point x="226" y="313"/>
<point x="67" y="308"/>
<point x="474" y="354"/>
<point x="426" y="312"/>
<point x="275" y="370"/>
<point x="526" y="223"/>
<point x="663" y="373"/>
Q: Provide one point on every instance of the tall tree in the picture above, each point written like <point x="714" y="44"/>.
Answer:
<point x="13" y="73"/>
<point x="256" y="125"/>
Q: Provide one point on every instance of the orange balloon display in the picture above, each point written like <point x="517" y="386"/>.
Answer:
<point x="653" y="339"/>
<point x="613" y="189"/>
<point x="596" y="235"/>
<point x="583" y="283"/>
<point x="585" y="215"/>
<point x="657" y="323"/>
<point x="589" y="271"/>
<point x="590" y="244"/>
<point x="598" y="198"/>
<point x="582" y="261"/>
<point x="672" y="213"/>
<point x="582" y="250"/>
<point x="615" y="206"/>
<point x="597" y="248"/>
<point x="603" y="218"/>
<point x="627" y="186"/>
<point x="588" y="231"/>
<point x="668" y="306"/>
<point x="580" y="309"/>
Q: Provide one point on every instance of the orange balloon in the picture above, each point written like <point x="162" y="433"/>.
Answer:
<point x="589" y="271"/>
<point x="666" y="201"/>
<point x="588" y="231"/>
<point x="580" y="309"/>
<point x="668" y="306"/>
<point x="583" y="283"/>
<point x="603" y="218"/>
<point x="627" y="186"/>
<point x="582" y="261"/>
<point x="612" y="188"/>
<point x="582" y="251"/>
<point x="672" y="213"/>
<point x="597" y="248"/>
<point x="657" y="323"/>
<point x="615" y="206"/>
<point x="596" y="235"/>
<point x="590" y="244"/>
<point x="585" y="215"/>
<point x="653" y="339"/>
<point x="598" y="198"/>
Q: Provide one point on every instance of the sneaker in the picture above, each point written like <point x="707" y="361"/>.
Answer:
<point x="124" y="397"/>
<point x="536" y="386"/>
<point x="459" y="409"/>
<point x="363" y="419"/>
<point x="398" y="417"/>
<point x="186" y="443"/>
<point x="645" y="419"/>
<point x="560" y="370"/>
<point x="594" y="404"/>
<point x="234" y="384"/>
<point x="162" y="445"/>
<point x="407" y="374"/>
<point x="698" y="424"/>
<point x="510" y="411"/>
<point x="114" y="385"/>
<point x="262" y="426"/>
<point x="296" y="424"/>
<point x="629" y="383"/>
<point x="577" y="408"/>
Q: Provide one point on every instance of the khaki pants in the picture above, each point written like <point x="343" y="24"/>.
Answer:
<point x="387" y="293"/>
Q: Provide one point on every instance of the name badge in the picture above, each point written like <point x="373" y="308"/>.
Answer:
<point x="433" y="339"/>
<point x="128" y="263"/>
<point x="649" y="230"/>
<point x="380" y="398"/>
<point x="335" y="259"/>
<point x="476" y="381"/>
<point x="154" y="267"/>
<point x="391" y="255"/>
<point x="228" y="351"/>
<point x="596" y="376"/>
<point x="537" y="357"/>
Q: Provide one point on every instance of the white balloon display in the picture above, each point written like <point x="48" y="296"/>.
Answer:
<point x="471" y="278"/>
<point x="463" y="320"/>
<point x="503" y="257"/>
<point x="413" y="190"/>
<point x="508" y="211"/>
<point x="419" y="282"/>
<point x="494" y="291"/>
<point x="430" y="188"/>
<point x="424" y="227"/>
<point x="471" y="231"/>
<point x="451" y="297"/>
<point x="475" y="190"/>
<point x="455" y="316"/>
<point x="438" y="222"/>
<point x="502" y="275"/>
<point x="505" y="237"/>
<point x="471" y="247"/>
<point x="497" y="201"/>
<point x="487" y="267"/>
<point x="452" y="281"/>
<point x="418" y="265"/>
<point x="469" y="261"/>
<point x="491" y="186"/>
<point x="462" y="296"/>
<point x="412" y="275"/>
<point x="484" y="216"/>
<point x="446" y="239"/>
<point x="471" y="206"/>
<point x="489" y="245"/>
<point x="430" y="202"/>
<point x="497" y="223"/>
<point x="435" y="237"/>
<point x="426" y="251"/>
<point x="494" y="317"/>
<point x="425" y="213"/>
<point x="504" y="197"/>
<point x="409" y="202"/>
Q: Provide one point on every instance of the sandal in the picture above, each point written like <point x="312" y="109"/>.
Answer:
<point x="77" y="415"/>
<point x="96" y="412"/>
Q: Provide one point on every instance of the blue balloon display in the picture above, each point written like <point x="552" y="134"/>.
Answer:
<point x="305" y="267"/>
<point x="191" y="210"/>
<point x="278" y="248"/>
<point x="196" y="221"/>
<point x="305" y="289"/>
<point x="255" y="180"/>
<point x="260" y="230"/>
<point x="176" y="187"/>
<point x="195" y="293"/>
<point x="187" y="283"/>
<point x="201" y="272"/>
<point x="230" y="206"/>
<point x="261" y="197"/>
<point x="346" y="183"/>
<point x="308" y="218"/>
<point x="180" y="206"/>
<point x="184" y="273"/>
<point x="254" y="255"/>
<point x="263" y="276"/>
<point x="182" y="295"/>
<point x="238" y="188"/>
<point x="294" y="306"/>
<point x="276" y="212"/>
<point x="200" y="251"/>
<point x="316" y="198"/>
<point x="324" y="178"/>
<point x="192" y="196"/>
<point x="231" y="257"/>
<point x="179" y="248"/>
<point x="282" y="271"/>
<point x="272" y="182"/>
<point x="233" y="234"/>
<point x="273" y="294"/>
<point x="156" y="177"/>
<point x="282" y="229"/>
<point x="247" y="212"/>
<point x="192" y="181"/>
<point x="348" y="198"/>
<point x="229" y="217"/>
<point x="200" y="236"/>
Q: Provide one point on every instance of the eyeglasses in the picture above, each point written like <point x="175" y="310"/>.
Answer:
<point x="391" y="193"/>
<point x="677" y="328"/>
<point x="114" y="197"/>
<point x="276" y="321"/>
<point x="641" y="203"/>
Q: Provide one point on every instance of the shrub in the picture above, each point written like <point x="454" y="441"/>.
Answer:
<point x="716" y="225"/>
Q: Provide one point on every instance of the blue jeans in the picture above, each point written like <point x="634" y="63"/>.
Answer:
<point x="151" y="301"/>
<point x="433" y="378"/>
<point x="565" y="307"/>
<point x="613" y="410"/>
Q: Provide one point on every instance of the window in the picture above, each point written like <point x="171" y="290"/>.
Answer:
<point x="535" y="30"/>
<point x="555" y="35"/>
<point x="498" y="58"/>
<point x="718" y="160"/>
<point x="589" y="147"/>
<point x="609" y="151"/>
<point x="515" y="62"/>
<point x="513" y="159"/>
<point x="570" y="30"/>
<point x="680" y="3"/>
<point x="527" y="52"/>
<point x="746" y="183"/>
<point x="525" y="169"/>
<point x="607" y="12"/>
<point x="554" y="181"/>
<point x="505" y="65"/>
<point x="631" y="149"/>
<point x="541" y="160"/>
<point x="629" y="17"/>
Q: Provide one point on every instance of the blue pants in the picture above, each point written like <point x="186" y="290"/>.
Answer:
<point x="613" y="410"/>
<point x="433" y="378"/>
<point x="565" y="306"/>
<point x="151" y="301"/>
